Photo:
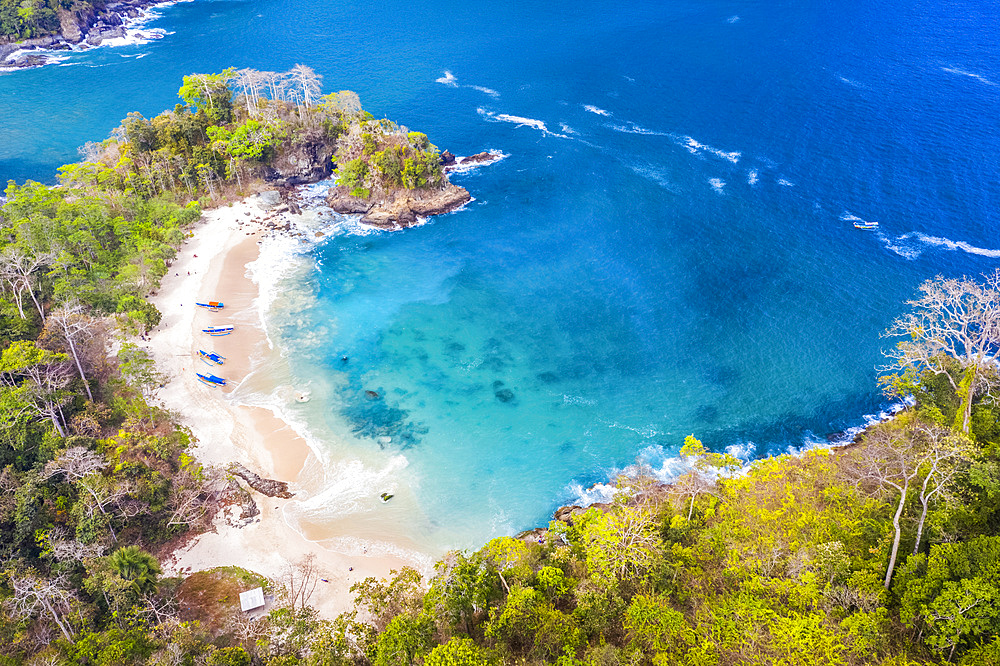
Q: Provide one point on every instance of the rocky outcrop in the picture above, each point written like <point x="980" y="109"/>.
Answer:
<point x="268" y="487"/>
<point x="305" y="161"/>
<point x="398" y="209"/>
<point x="452" y="163"/>
<point x="82" y="26"/>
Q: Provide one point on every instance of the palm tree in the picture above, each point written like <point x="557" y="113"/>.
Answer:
<point x="136" y="566"/>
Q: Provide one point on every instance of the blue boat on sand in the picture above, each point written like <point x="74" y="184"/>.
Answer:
<point x="214" y="306"/>
<point x="218" y="330"/>
<point x="211" y="358"/>
<point x="211" y="379"/>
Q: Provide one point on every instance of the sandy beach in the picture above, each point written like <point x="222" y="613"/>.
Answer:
<point x="212" y="265"/>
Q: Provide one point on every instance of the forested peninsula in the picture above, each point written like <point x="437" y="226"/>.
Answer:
<point x="886" y="551"/>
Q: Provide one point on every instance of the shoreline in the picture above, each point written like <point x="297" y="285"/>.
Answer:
<point x="123" y="22"/>
<point x="218" y="255"/>
<point x="213" y="264"/>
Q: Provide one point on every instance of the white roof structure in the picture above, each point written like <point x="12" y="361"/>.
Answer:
<point x="252" y="599"/>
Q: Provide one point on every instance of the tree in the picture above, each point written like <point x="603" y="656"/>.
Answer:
<point x="457" y="652"/>
<point x="33" y="593"/>
<point x="17" y="270"/>
<point x="889" y="459"/>
<point x="75" y="327"/>
<point x="384" y="599"/>
<point x="706" y="466"/>
<point x="137" y="567"/>
<point x="404" y="639"/>
<point x="83" y="467"/>
<point x="944" y="457"/>
<point x="621" y="544"/>
<point x="308" y="82"/>
<point x="954" y="318"/>
<point x="300" y="580"/>
<point x="39" y="378"/>
<point x="967" y="608"/>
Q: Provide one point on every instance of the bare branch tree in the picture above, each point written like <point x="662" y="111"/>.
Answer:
<point x="74" y="325"/>
<point x="955" y="319"/>
<point x="945" y="456"/>
<point x="46" y="391"/>
<point x="308" y="83"/>
<point x="33" y="594"/>
<point x="300" y="580"/>
<point x="84" y="467"/>
<point x="17" y="270"/>
<point x="889" y="460"/>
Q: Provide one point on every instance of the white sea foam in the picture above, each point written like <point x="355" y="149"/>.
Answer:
<point x="752" y="176"/>
<point x="785" y="183"/>
<point x="488" y="91"/>
<point x="350" y="487"/>
<point x="852" y="82"/>
<point x="519" y="121"/>
<point x="578" y="400"/>
<point x="566" y="129"/>
<point x="644" y="431"/>
<point x="732" y="19"/>
<point x="962" y="72"/>
<point x="496" y="155"/>
<point x="717" y="184"/>
<point x="656" y="175"/>
<point x="951" y="245"/>
<point x="594" y="109"/>
<point x="695" y="147"/>
<point x="632" y="128"/>
<point x="899" y="246"/>
<point x="448" y="79"/>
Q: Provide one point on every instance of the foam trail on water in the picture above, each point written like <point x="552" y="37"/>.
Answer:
<point x="519" y="121"/>
<point x="632" y="128"/>
<point x="599" y="111"/>
<point x="962" y="72"/>
<point x="732" y="19"/>
<point x="696" y="147"/>
<point x="785" y="183"/>
<point x="951" y="245"/>
<point x="903" y="249"/>
<point x="752" y="177"/>
<point x="717" y="184"/>
<point x="852" y="83"/>
<point x="488" y="91"/>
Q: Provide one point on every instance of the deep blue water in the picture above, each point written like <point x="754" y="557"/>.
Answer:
<point x="677" y="258"/>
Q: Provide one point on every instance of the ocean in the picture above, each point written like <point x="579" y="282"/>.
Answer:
<point x="666" y="248"/>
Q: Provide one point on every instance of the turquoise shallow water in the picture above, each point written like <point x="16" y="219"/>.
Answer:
<point x="666" y="249"/>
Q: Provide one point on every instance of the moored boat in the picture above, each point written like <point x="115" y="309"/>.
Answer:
<point x="214" y="306"/>
<point x="218" y="330"/>
<point x="211" y="357"/>
<point x="211" y="379"/>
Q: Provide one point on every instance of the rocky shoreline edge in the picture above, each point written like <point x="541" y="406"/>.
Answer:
<point x="79" y="29"/>
<point x="402" y="208"/>
<point x="568" y="513"/>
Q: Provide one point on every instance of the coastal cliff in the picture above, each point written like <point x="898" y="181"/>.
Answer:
<point x="81" y="25"/>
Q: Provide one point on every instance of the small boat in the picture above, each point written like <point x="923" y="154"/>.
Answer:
<point x="211" y="379"/>
<point x="214" y="306"/>
<point x="218" y="330"/>
<point x="864" y="224"/>
<point x="211" y="357"/>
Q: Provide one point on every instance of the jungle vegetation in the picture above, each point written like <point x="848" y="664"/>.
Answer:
<point x="885" y="551"/>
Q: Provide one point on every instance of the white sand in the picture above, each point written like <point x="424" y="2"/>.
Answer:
<point x="216" y="258"/>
